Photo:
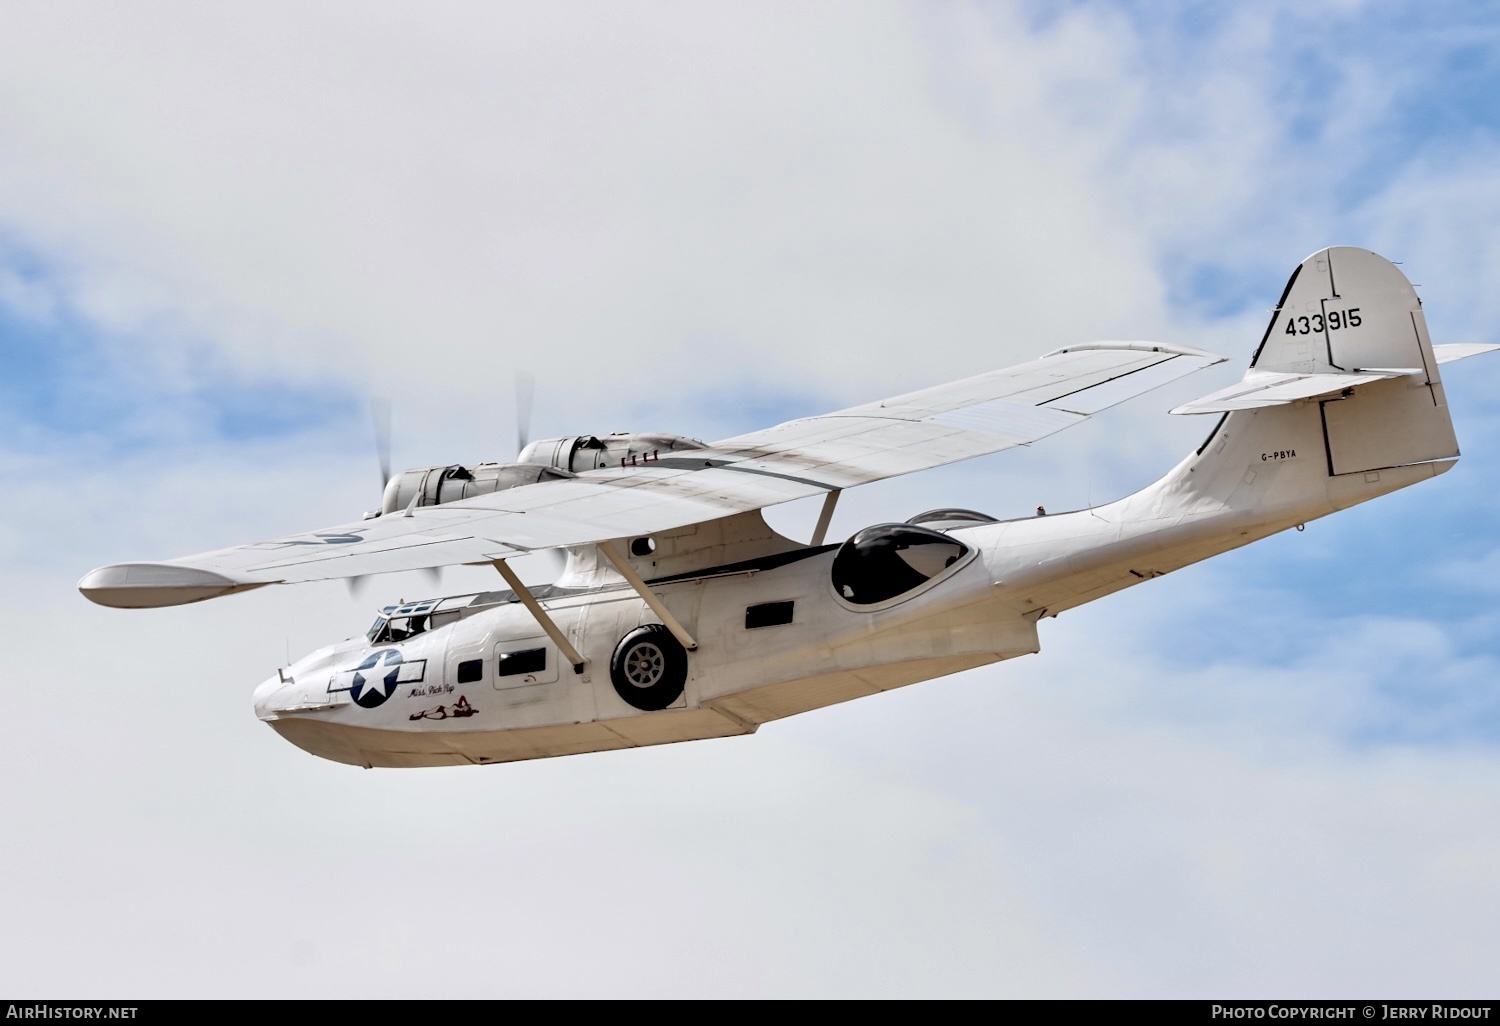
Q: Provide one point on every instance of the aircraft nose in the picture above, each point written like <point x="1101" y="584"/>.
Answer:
<point x="265" y="697"/>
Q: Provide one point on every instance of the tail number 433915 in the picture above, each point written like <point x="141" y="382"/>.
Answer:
<point x="1314" y="324"/>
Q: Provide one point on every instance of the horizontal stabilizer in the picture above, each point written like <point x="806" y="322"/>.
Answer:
<point x="1277" y="388"/>
<point x="1461" y="350"/>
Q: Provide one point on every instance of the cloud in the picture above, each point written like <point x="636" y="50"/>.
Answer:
<point x="214" y="859"/>
<point x="1269" y="775"/>
<point x="1006" y="832"/>
<point x="603" y="198"/>
<point x="1199" y="829"/>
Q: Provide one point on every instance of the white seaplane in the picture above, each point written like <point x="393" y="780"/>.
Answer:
<point x="680" y="614"/>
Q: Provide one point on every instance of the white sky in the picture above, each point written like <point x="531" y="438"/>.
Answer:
<point x="701" y="217"/>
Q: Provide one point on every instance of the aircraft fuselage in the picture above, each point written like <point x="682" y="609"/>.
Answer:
<point x="775" y="635"/>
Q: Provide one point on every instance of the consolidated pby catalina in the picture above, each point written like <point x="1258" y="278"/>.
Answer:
<point x="680" y="614"/>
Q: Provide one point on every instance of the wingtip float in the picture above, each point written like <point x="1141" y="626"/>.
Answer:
<point x="151" y="585"/>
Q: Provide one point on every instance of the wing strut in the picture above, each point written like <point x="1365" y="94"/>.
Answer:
<point x="529" y="601"/>
<point x="825" y="517"/>
<point x="628" y="572"/>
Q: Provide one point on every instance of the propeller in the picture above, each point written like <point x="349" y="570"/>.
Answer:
<point x="525" y="396"/>
<point x="380" y="416"/>
<point x="525" y="392"/>
<point x="433" y="575"/>
<point x="380" y="419"/>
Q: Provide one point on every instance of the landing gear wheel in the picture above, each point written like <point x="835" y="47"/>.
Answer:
<point x="649" y="668"/>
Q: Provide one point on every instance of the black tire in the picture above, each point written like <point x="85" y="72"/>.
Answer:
<point x="649" y="668"/>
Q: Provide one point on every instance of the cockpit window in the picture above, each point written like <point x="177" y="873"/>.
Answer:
<point x="397" y="628"/>
<point x="397" y="623"/>
<point x="888" y="560"/>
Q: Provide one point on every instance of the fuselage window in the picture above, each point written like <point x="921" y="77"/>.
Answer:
<point x="470" y="670"/>
<point x="531" y="660"/>
<point x="768" y="614"/>
<point x="888" y="560"/>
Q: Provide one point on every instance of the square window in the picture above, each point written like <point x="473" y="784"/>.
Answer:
<point x="768" y="614"/>
<point x="531" y="660"/>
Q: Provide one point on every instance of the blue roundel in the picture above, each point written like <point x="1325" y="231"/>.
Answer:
<point x="375" y="678"/>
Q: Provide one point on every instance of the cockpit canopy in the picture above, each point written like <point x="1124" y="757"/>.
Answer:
<point x="408" y="619"/>
<point x="950" y="519"/>
<point x="887" y="560"/>
<point x="397" y="623"/>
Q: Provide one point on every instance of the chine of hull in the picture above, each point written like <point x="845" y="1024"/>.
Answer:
<point x="730" y="715"/>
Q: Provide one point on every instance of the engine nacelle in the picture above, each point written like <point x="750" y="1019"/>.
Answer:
<point x="579" y="453"/>
<point x="432" y="486"/>
<point x="546" y="460"/>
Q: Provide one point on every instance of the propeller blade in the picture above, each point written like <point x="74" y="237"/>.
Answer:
<point x="380" y="414"/>
<point x="525" y="390"/>
<point x="356" y="585"/>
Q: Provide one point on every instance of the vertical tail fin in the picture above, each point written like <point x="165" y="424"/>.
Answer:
<point x="1348" y="311"/>
<point x="1350" y="334"/>
<point x="1343" y="309"/>
<point x="1342" y="401"/>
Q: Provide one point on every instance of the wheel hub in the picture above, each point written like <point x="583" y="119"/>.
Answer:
<point x="644" y="665"/>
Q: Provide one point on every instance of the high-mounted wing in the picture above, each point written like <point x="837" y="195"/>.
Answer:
<point x="815" y="455"/>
